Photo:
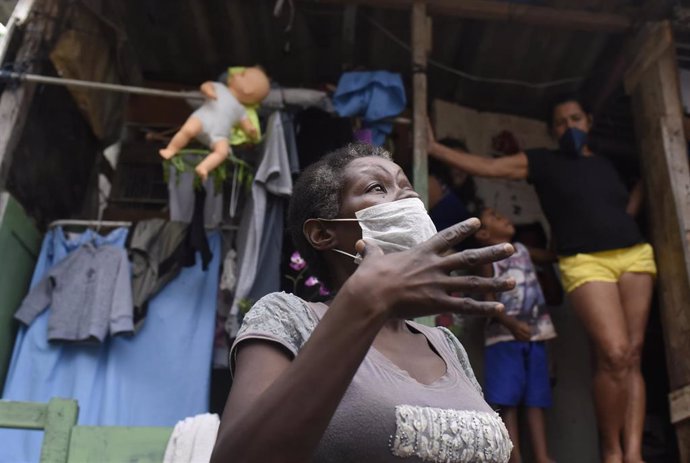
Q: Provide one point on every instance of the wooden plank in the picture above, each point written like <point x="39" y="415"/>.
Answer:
<point x="420" y="171"/>
<point x="559" y="18"/>
<point x="15" y="101"/>
<point x="60" y="418"/>
<point x="645" y="50"/>
<point x="680" y="404"/>
<point x="116" y="444"/>
<point x="663" y="155"/>
<point x="23" y="415"/>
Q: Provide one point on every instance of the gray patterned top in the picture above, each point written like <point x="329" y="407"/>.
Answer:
<point x="385" y="414"/>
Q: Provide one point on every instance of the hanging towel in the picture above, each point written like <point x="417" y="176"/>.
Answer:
<point x="181" y="198"/>
<point x="260" y="237"/>
<point x="374" y="96"/>
<point x="193" y="439"/>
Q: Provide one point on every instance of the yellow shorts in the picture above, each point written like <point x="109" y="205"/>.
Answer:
<point x="605" y="265"/>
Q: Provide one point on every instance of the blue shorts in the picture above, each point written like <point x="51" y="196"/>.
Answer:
<point x="517" y="373"/>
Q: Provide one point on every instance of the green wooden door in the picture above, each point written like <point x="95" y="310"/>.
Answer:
<point x="20" y="244"/>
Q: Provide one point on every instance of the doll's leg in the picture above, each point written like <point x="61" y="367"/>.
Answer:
<point x="214" y="159"/>
<point x="189" y="130"/>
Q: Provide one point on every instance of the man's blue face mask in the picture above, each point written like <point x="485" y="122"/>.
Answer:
<point x="573" y="142"/>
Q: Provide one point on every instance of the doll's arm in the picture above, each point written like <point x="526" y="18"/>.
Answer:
<point x="248" y="128"/>
<point x="208" y="90"/>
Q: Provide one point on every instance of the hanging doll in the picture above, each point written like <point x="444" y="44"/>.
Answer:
<point x="223" y="109"/>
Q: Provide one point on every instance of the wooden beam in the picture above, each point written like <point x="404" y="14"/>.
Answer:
<point x="60" y="419"/>
<point x="19" y="14"/>
<point x="419" y="119"/>
<point x="23" y="415"/>
<point x="663" y="154"/>
<point x="645" y="50"/>
<point x="492" y="10"/>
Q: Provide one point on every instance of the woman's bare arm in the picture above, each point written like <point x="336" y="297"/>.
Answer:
<point x="513" y="167"/>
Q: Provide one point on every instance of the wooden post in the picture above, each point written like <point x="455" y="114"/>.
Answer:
<point x="517" y="13"/>
<point x="419" y="55"/>
<point x="655" y="93"/>
<point x="15" y="101"/>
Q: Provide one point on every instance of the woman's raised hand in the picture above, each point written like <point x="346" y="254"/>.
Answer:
<point x="418" y="282"/>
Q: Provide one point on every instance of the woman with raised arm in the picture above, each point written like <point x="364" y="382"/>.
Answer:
<point x="606" y="266"/>
<point x="352" y="379"/>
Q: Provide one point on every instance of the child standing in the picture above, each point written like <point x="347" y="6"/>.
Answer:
<point x="516" y="366"/>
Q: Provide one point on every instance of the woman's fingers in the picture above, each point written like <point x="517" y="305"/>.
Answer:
<point x="448" y="238"/>
<point x="473" y="257"/>
<point x="474" y="284"/>
<point x="466" y="305"/>
<point x="367" y="250"/>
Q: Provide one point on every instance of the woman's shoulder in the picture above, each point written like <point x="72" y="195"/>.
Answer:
<point x="279" y="308"/>
<point x="279" y="317"/>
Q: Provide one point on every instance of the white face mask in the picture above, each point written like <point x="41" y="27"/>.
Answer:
<point x="394" y="226"/>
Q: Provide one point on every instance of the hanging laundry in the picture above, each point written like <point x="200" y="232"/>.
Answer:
<point x="374" y="96"/>
<point x="290" y="140"/>
<point x="154" y="249"/>
<point x="228" y="279"/>
<point x="279" y="98"/>
<point x="192" y="439"/>
<point x="156" y="378"/>
<point x="195" y="240"/>
<point x="90" y="295"/>
<point x="181" y="196"/>
<point x="260" y="237"/>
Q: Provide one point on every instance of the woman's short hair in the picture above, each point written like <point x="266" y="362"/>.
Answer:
<point x="566" y="98"/>
<point x="317" y="194"/>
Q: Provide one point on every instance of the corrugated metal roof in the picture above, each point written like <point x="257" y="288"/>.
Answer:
<point x="182" y="41"/>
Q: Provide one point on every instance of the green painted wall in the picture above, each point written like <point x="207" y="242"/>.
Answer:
<point x="20" y="244"/>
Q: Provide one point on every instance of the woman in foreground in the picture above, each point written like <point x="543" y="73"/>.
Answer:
<point x="352" y="380"/>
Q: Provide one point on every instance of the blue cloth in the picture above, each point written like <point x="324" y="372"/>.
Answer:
<point x="517" y="373"/>
<point x="156" y="378"/>
<point x="448" y="211"/>
<point x="373" y="96"/>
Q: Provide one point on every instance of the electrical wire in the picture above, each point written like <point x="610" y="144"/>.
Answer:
<point x="465" y="75"/>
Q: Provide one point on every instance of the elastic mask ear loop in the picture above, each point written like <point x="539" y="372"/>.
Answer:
<point x="344" y="253"/>
<point x="357" y="258"/>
